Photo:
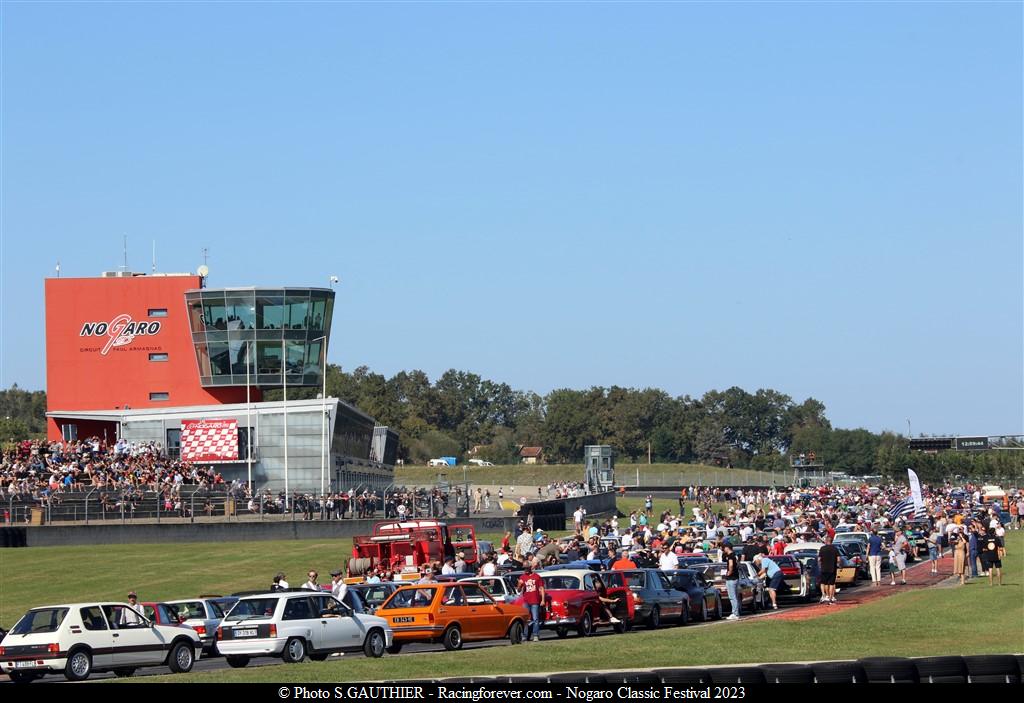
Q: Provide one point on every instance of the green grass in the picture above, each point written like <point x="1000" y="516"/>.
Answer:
<point x="542" y="475"/>
<point x="974" y="619"/>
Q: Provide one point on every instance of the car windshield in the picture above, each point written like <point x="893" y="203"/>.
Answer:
<point x="412" y="598"/>
<point x="571" y="583"/>
<point x="253" y="609"/>
<point x="42" y="620"/>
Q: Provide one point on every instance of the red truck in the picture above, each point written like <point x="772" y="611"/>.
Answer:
<point x="406" y="545"/>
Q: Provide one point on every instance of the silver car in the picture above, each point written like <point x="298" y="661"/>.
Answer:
<point x="203" y="615"/>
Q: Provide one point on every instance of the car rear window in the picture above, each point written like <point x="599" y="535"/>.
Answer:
<point x="252" y="608"/>
<point x="411" y="598"/>
<point x="42" y="620"/>
<point x="191" y="610"/>
<point x="561" y="582"/>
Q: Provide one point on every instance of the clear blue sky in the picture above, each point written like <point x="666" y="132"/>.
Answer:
<point x="824" y="199"/>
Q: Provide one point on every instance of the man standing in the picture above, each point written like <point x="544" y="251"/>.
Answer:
<point x="338" y="586"/>
<point x="769" y="570"/>
<point x="460" y="563"/>
<point x="577" y="520"/>
<point x="875" y="557"/>
<point x="532" y="587"/>
<point x="311" y="584"/>
<point x="901" y="545"/>
<point x="732" y="580"/>
<point x="972" y="550"/>
<point x="828" y="562"/>
<point x="132" y="615"/>
<point x="668" y="561"/>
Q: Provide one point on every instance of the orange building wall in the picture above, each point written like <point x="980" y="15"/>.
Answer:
<point x="80" y="376"/>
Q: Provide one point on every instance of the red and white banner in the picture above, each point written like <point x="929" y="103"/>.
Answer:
<point x="209" y="440"/>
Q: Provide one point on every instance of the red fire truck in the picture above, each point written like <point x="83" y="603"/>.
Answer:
<point x="405" y="546"/>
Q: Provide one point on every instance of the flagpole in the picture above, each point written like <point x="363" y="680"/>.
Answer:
<point x="284" y="379"/>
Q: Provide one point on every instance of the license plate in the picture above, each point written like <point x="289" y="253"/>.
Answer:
<point x="245" y="633"/>
<point x="24" y="665"/>
<point x="404" y="619"/>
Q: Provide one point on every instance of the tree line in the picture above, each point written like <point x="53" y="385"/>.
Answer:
<point x="462" y="411"/>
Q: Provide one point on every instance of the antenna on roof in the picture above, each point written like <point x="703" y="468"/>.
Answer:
<point x="125" y="250"/>
<point x="154" y="256"/>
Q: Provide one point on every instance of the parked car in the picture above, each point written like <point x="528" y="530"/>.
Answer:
<point x="437" y="462"/>
<point x="203" y="615"/>
<point x="450" y="614"/>
<point x="571" y="602"/>
<point x="705" y="602"/>
<point x="714" y="573"/>
<point x="479" y="462"/>
<point x="848" y="573"/>
<point x="654" y="597"/>
<point x="294" y="624"/>
<point x="371" y="595"/>
<point x="500" y="588"/>
<point x="80" y="639"/>
<point x="162" y="614"/>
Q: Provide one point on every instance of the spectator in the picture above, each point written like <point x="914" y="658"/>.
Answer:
<point x="769" y="570"/>
<point x="532" y="588"/>
<point x="732" y="575"/>
<point x="828" y="561"/>
<point x="875" y="557"/>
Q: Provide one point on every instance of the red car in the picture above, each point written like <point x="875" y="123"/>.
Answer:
<point x="161" y="613"/>
<point x="571" y="602"/>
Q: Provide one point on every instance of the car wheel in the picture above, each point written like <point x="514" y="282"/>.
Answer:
<point x="237" y="661"/>
<point x="79" y="666"/>
<point x="515" y="633"/>
<point x="124" y="673"/>
<point x="294" y="650"/>
<point x="586" y="628"/>
<point x="452" y="638"/>
<point x="22" y="677"/>
<point x="395" y="648"/>
<point x="375" y="644"/>
<point x="705" y="614"/>
<point x="182" y="658"/>
<point x="320" y="657"/>
<point x="654" y="620"/>
<point x="685" y="618"/>
<point x="562" y="632"/>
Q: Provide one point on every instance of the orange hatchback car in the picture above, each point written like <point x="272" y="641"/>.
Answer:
<point x="450" y="613"/>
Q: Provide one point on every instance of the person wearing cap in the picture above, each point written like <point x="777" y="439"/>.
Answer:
<point x="460" y="563"/>
<point x="132" y="615"/>
<point x="338" y="586"/>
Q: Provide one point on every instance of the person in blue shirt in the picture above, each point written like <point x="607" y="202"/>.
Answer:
<point x="770" y="570"/>
<point x="875" y="557"/>
<point x="972" y="551"/>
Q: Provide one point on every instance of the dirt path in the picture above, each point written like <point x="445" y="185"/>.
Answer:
<point x="918" y="576"/>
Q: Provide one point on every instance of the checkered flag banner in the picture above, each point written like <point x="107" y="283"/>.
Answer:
<point x="209" y="440"/>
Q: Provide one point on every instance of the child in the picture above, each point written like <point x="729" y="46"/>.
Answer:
<point x="893" y="567"/>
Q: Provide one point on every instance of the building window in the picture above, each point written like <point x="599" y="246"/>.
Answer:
<point x="160" y="396"/>
<point x="69" y="433"/>
<point x="160" y="356"/>
<point x="157" y="312"/>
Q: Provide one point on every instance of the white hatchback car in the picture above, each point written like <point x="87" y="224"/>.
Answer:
<point x="81" y="638"/>
<point x="294" y="623"/>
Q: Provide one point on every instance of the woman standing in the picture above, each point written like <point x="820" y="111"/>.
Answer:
<point x="959" y="545"/>
<point x="933" y="550"/>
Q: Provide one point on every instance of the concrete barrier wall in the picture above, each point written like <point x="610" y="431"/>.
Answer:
<point x="83" y="535"/>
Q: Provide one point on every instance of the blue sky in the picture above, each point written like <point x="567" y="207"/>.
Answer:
<point x="824" y="199"/>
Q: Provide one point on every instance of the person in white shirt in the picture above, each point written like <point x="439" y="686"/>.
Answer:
<point x="279" y="583"/>
<point x="447" y="569"/>
<point x="488" y="569"/>
<point x="338" y="586"/>
<point x="132" y="615"/>
<point x="311" y="584"/>
<point x="577" y="518"/>
<point x="668" y="561"/>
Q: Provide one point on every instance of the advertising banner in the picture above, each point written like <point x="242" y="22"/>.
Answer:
<point x="209" y="440"/>
<point x="915" y="493"/>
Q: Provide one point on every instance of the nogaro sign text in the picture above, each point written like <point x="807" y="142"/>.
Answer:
<point x="120" y="331"/>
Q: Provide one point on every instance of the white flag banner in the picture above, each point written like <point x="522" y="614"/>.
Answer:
<point x="915" y="493"/>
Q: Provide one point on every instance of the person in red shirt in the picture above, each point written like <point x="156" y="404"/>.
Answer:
<point x="532" y="587"/>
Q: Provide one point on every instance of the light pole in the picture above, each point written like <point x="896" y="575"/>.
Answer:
<point x="910" y="435"/>
<point x="323" y="422"/>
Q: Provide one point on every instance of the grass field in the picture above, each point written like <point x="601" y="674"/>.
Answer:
<point x="626" y="474"/>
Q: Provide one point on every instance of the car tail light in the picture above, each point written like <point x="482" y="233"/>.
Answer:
<point x="200" y="629"/>
<point x="53" y="648"/>
<point x="220" y="633"/>
<point x="3" y="651"/>
<point x="273" y="630"/>
<point x="638" y="599"/>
